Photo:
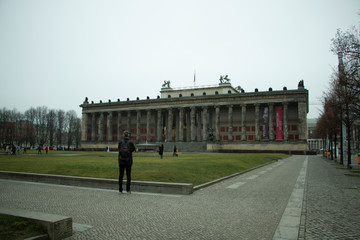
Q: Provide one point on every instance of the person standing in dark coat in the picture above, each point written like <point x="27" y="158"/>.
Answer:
<point x="175" y="151"/>
<point x="161" y="150"/>
<point x="125" y="164"/>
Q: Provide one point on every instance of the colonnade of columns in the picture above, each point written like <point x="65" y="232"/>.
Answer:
<point x="192" y="123"/>
<point x="315" y="144"/>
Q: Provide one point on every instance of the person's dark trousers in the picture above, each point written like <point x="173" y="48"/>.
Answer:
<point x="123" y="167"/>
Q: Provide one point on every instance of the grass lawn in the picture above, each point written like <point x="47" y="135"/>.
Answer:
<point x="196" y="168"/>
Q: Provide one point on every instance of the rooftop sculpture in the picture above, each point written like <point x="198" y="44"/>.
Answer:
<point x="224" y="79"/>
<point x="166" y="84"/>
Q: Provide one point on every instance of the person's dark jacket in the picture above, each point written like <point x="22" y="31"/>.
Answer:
<point x="161" y="150"/>
<point x="132" y="149"/>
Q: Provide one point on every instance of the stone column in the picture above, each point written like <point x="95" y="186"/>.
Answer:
<point x="257" y="135"/>
<point x="271" y="121"/>
<point x="119" y="126"/>
<point x="205" y="124"/>
<point x="285" y="121"/>
<point x="93" y="127"/>
<point x="138" y="126"/>
<point x="302" y="126"/>
<point x="192" y="122"/>
<point x="84" y="127"/>
<point x="230" y="122"/>
<point x="159" y="126"/>
<point x="181" y="125"/>
<point x="109" y="130"/>
<point x="217" y="123"/>
<point x="243" y="122"/>
<point x="198" y="113"/>
<point x="187" y="119"/>
<point x="101" y="127"/>
<point x="128" y="121"/>
<point x="169" y="127"/>
<point x="176" y="120"/>
<point x="148" y="125"/>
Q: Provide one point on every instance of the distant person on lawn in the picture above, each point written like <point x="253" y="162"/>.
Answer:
<point x="161" y="150"/>
<point x="125" y="159"/>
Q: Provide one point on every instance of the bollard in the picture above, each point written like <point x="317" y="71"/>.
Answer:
<point x="359" y="158"/>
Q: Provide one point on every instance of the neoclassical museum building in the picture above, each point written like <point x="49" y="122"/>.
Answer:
<point x="210" y="118"/>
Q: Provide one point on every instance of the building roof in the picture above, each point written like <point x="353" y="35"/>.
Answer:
<point x="222" y="88"/>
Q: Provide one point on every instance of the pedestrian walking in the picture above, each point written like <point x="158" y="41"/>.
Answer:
<point x="125" y="160"/>
<point x="161" y="151"/>
<point x="13" y="150"/>
<point x="39" y="150"/>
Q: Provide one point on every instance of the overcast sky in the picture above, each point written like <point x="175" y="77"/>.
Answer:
<point x="54" y="53"/>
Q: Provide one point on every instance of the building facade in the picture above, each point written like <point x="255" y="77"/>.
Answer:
<point x="205" y="118"/>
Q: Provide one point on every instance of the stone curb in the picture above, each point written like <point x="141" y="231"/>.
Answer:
<point x="201" y="186"/>
<point x="136" y="186"/>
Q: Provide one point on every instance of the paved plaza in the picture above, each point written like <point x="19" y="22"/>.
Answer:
<point x="304" y="197"/>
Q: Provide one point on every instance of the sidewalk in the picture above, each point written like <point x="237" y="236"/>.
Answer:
<point x="332" y="201"/>
<point x="354" y="159"/>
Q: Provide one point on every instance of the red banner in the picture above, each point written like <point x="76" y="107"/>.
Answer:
<point x="279" y="123"/>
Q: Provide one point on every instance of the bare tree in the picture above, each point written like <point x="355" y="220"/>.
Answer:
<point x="71" y="126"/>
<point x="77" y="132"/>
<point x="60" y="127"/>
<point x="347" y="87"/>
<point x="51" y="126"/>
<point x="30" y="127"/>
<point x="11" y="129"/>
<point x="40" y="125"/>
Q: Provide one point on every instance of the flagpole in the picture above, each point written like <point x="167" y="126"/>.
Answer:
<point x="194" y="78"/>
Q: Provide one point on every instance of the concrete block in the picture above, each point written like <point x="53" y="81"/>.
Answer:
<point x="58" y="227"/>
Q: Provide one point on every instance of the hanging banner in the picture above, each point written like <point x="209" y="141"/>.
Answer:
<point x="266" y="123"/>
<point x="279" y="123"/>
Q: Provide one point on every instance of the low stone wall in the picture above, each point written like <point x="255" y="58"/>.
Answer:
<point x="98" y="146"/>
<point x="185" y="146"/>
<point x="290" y="147"/>
<point x="278" y="147"/>
<point x="136" y="186"/>
<point x="58" y="227"/>
<point x="168" y="146"/>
